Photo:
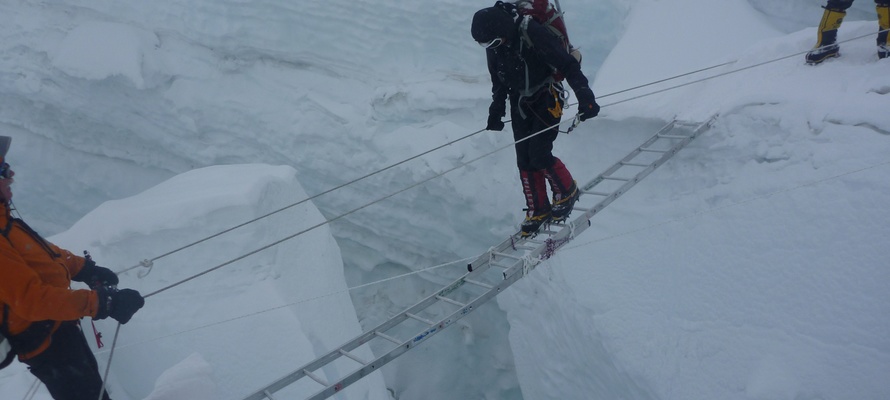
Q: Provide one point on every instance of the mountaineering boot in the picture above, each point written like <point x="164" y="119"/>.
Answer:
<point x="827" y="47"/>
<point x="564" y="188"/>
<point x="883" y="26"/>
<point x="564" y="206"/>
<point x="538" y="212"/>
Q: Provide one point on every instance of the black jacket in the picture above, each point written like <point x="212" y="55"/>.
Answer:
<point x="519" y="69"/>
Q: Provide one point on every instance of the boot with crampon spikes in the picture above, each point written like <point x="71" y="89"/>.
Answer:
<point x="827" y="47"/>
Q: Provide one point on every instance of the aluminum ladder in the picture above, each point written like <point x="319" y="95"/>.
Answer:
<point x="492" y="272"/>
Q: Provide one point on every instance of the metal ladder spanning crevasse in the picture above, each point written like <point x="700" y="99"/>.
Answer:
<point x="512" y="259"/>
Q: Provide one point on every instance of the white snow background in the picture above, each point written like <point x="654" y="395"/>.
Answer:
<point x="753" y="265"/>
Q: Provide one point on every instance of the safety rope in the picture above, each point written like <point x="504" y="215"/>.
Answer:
<point x="461" y="165"/>
<point x="731" y="205"/>
<point x="298" y="302"/>
<point x="149" y="261"/>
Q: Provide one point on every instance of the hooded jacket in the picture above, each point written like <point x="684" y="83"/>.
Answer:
<point x="520" y="69"/>
<point x="35" y="293"/>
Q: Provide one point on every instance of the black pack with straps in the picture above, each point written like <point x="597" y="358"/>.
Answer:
<point x="7" y="354"/>
<point x="546" y="14"/>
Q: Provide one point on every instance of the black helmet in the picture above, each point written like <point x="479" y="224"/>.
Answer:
<point x="492" y="22"/>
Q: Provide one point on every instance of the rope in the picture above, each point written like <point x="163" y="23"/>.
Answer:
<point x="32" y="390"/>
<point x="149" y="261"/>
<point x="728" y="72"/>
<point x="310" y="299"/>
<point x="527" y="263"/>
<point x="363" y="177"/>
<point x="421" y="182"/>
<point x="110" y="356"/>
<point x="736" y="204"/>
<point x="354" y="210"/>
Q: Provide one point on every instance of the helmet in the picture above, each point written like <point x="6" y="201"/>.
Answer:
<point x="492" y="22"/>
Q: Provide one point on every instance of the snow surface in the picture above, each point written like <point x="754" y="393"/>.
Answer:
<point x="751" y="266"/>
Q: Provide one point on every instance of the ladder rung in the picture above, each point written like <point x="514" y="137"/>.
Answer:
<point x="315" y="377"/>
<point x="353" y="357"/>
<point x="507" y="255"/>
<point x="387" y="337"/>
<point x="494" y="264"/>
<point x="615" y="178"/>
<point x="673" y="137"/>
<point x="419" y="318"/>
<point x="518" y="245"/>
<point x="447" y="300"/>
<point x="477" y="283"/>
<point x="581" y="209"/>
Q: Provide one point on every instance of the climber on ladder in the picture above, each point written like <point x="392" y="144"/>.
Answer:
<point x="526" y="60"/>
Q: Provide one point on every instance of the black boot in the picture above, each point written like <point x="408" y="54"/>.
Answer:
<point x="564" y="206"/>
<point x="827" y="47"/>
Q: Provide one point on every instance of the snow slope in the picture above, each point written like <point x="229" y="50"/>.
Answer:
<point x="749" y="267"/>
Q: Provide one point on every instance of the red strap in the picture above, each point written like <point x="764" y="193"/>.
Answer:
<point x="98" y="334"/>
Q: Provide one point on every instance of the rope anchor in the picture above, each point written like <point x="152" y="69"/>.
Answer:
<point x="146" y="263"/>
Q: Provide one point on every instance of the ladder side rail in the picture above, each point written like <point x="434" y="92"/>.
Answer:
<point x="633" y="154"/>
<point x="365" y="337"/>
<point x="477" y="267"/>
<point x="480" y="263"/>
<point x="581" y="223"/>
<point x="415" y="340"/>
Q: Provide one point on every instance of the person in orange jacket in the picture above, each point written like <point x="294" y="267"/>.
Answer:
<point x="41" y="313"/>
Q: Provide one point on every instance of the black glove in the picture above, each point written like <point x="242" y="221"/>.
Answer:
<point x="494" y="123"/>
<point x="118" y="304"/>
<point x="94" y="275"/>
<point x="587" y="107"/>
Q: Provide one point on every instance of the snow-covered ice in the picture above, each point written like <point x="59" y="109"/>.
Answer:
<point x="751" y="266"/>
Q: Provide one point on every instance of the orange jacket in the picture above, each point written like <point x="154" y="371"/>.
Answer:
<point x="35" y="279"/>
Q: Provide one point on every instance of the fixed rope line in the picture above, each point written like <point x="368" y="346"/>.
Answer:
<point x="108" y="366"/>
<point x="306" y="300"/>
<point x="301" y="201"/>
<point x="461" y="165"/>
<point x="665" y="80"/>
<point x="428" y="179"/>
<point x="118" y="329"/>
<point x="726" y="206"/>
<point x="350" y="212"/>
<point x="662" y="223"/>
<point x="734" y="71"/>
<point x="363" y="177"/>
<point x="277" y="242"/>
<point x="149" y="261"/>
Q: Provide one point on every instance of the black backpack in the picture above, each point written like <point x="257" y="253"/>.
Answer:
<point x="546" y="14"/>
<point x="6" y="353"/>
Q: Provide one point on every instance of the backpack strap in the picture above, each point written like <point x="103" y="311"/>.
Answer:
<point x="527" y="41"/>
<point x="6" y="351"/>
<point x="523" y="30"/>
